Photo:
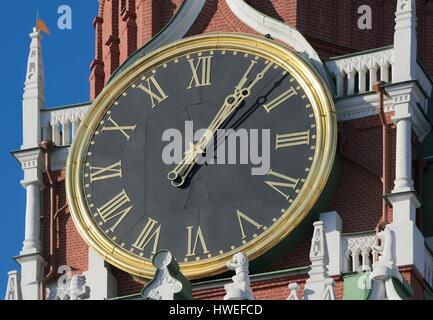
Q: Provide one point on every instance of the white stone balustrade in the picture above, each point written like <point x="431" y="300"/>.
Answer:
<point x="61" y="125"/>
<point x="357" y="73"/>
<point x="358" y="251"/>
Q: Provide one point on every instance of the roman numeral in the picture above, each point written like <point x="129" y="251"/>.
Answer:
<point x="149" y="232"/>
<point x="280" y="99"/>
<point x="199" y="237"/>
<point x="289" y="182"/>
<point x="243" y="216"/>
<point x="201" y="72"/>
<point x="154" y="90"/>
<point x="122" y="129"/>
<point x="112" y="209"/>
<point x="292" y="139"/>
<point x="113" y="171"/>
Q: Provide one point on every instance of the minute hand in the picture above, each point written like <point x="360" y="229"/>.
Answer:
<point x="231" y="103"/>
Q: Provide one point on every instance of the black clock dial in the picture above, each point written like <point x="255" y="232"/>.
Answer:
<point x="220" y="207"/>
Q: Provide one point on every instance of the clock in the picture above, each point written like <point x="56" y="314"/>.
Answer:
<point x="136" y="177"/>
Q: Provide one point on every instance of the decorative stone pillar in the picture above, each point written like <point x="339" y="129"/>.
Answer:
<point x="403" y="167"/>
<point x="318" y="285"/>
<point x="333" y="227"/>
<point x="405" y="41"/>
<point x="29" y="156"/>
<point x="409" y="241"/>
<point x="13" y="289"/>
<point x="32" y="243"/>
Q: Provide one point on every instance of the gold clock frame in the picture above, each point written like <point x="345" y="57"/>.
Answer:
<point x="325" y="116"/>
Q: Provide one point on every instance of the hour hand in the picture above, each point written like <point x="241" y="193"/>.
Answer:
<point x="178" y="175"/>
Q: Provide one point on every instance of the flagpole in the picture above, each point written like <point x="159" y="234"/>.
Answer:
<point x="37" y="18"/>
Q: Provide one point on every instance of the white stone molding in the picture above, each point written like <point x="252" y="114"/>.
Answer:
<point x="293" y="288"/>
<point x="278" y="30"/>
<point x="333" y="228"/>
<point x="102" y="283"/>
<point x="32" y="268"/>
<point x="61" y="125"/>
<point x="345" y="69"/>
<point x="240" y="288"/>
<point x="357" y="251"/>
<point x="13" y="289"/>
<point x="318" y="284"/>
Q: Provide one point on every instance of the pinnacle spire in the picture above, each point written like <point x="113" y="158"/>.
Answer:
<point x="34" y="93"/>
<point x="405" y="41"/>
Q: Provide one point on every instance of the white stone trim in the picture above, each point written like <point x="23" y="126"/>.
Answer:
<point x="349" y="66"/>
<point x="356" y="246"/>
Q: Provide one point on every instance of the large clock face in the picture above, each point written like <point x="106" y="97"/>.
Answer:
<point x="135" y="203"/>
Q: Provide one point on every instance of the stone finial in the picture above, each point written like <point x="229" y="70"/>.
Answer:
<point x="240" y="288"/>
<point x="318" y="284"/>
<point x="329" y="292"/>
<point x="78" y="289"/>
<point x="293" y="288"/>
<point x="13" y="289"/>
<point x="385" y="273"/>
<point x="168" y="283"/>
<point x="384" y="268"/>
<point x="74" y="289"/>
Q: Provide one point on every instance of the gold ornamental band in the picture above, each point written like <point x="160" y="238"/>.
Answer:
<point x="325" y="117"/>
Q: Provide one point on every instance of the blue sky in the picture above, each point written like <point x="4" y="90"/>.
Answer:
<point x="67" y="56"/>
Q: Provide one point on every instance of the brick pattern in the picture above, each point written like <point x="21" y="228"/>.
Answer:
<point x="70" y="249"/>
<point x="415" y="279"/>
<point x="270" y="289"/>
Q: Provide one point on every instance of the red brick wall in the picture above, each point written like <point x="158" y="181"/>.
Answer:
<point x="330" y="26"/>
<point x="70" y="248"/>
<point x="270" y="289"/>
<point x="413" y="277"/>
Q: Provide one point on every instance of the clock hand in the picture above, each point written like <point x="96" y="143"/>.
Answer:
<point x="231" y="103"/>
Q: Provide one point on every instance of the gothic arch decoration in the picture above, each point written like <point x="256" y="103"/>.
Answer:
<point x="266" y="25"/>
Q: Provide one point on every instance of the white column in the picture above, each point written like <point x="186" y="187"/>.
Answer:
<point x="333" y="228"/>
<point x="66" y="137"/>
<point x="409" y="241"/>
<point x="351" y="82"/>
<point x="56" y="134"/>
<point x="384" y="72"/>
<point x="362" y="80"/>
<point x="75" y="125"/>
<point x="340" y="84"/>
<point x="405" y="41"/>
<point x="373" y="77"/>
<point x="403" y="166"/>
<point x="32" y="242"/>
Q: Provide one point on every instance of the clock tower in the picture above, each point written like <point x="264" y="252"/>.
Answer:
<point x="342" y="114"/>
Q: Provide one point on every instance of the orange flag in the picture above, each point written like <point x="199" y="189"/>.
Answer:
<point x="41" y="26"/>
